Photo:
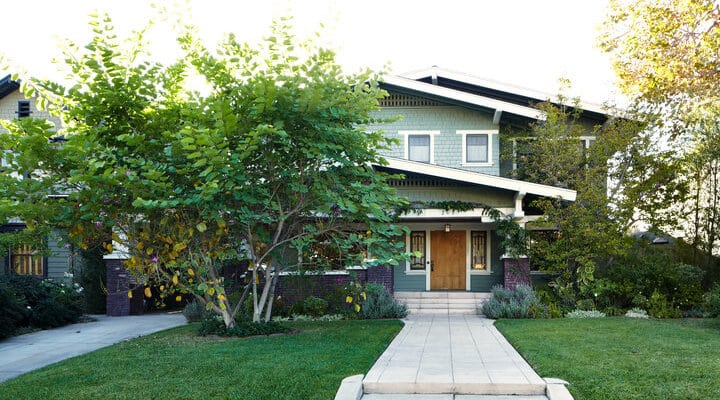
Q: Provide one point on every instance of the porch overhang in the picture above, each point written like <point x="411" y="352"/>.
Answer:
<point x="521" y="188"/>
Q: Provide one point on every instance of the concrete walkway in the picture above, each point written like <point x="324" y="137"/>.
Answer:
<point x="451" y="355"/>
<point x="25" y="353"/>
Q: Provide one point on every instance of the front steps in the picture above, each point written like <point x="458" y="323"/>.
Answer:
<point x="445" y="302"/>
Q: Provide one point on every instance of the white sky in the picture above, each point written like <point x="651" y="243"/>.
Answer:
<point x="522" y="42"/>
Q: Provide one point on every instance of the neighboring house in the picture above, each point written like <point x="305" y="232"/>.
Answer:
<point x="23" y="259"/>
<point x="449" y="151"/>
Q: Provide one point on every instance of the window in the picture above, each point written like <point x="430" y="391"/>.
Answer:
<point x="417" y="244"/>
<point x="25" y="261"/>
<point x="23" y="109"/>
<point x="478" y="251"/>
<point x="419" y="148"/>
<point x="477" y="147"/>
<point x="419" y="145"/>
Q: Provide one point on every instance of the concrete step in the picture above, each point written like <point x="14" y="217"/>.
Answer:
<point x="450" y="397"/>
<point x="442" y="302"/>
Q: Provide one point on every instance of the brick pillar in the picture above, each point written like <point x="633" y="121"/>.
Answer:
<point x="517" y="271"/>
<point x="118" y="283"/>
<point x="382" y="275"/>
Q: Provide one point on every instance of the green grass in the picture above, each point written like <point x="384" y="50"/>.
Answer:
<point x="177" y="364"/>
<point x="623" y="358"/>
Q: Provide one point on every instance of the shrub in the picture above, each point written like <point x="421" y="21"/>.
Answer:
<point x="636" y="313"/>
<point x="14" y="311"/>
<point x="585" y="304"/>
<point x="51" y="304"/>
<point x="315" y="306"/>
<point x="585" y="314"/>
<point x="660" y="307"/>
<point x="379" y="304"/>
<point x="195" y="311"/>
<point x="614" y="311"/>
<point x="711" y="301"/>
<point x="216" y="326"/>
<point x="510" y="303"/>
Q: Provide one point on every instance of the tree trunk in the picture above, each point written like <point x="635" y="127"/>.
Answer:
<point x="271" y="297"/>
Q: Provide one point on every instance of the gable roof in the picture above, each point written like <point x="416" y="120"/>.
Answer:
<point x="8" y="86"/>
<point x="490" y="90"/>
<point x="480" y="179"/>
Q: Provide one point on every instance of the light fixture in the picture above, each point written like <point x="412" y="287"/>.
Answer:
<point x="447" y="227"/>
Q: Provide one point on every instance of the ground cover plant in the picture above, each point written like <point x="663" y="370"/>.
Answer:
<point x="179" y="364"/>
<point x="623" y="358"/>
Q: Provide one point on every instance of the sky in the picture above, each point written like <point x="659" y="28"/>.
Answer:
<point x="527" y="43"/>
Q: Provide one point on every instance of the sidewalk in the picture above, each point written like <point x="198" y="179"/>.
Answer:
<point x="451" y="354"/>
<point x="25" y="353"/>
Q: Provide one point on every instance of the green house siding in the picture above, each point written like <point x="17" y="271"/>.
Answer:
<point x="60" y="259"/>
<point x="408" y="283"/>
<point x="448" y="143"/>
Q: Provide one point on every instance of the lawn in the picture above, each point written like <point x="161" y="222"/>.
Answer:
<point x="623" y="358"/>
<point x="177" y="364"/>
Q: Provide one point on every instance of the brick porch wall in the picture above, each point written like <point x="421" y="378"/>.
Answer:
<point x="517" y="272"/>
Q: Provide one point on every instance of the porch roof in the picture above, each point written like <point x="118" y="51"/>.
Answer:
<point x="520" y="187"/>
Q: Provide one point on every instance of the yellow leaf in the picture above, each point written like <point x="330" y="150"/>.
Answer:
<point x="201" y="227"/>
<point x="178" y="298"/>
<point x="130" y="294"/>
<point x="148" y="293"/>
<point x="222" y="306"/>
<point x="115" y="237"/>
<point x="175" y="280"/>
<point x="191" y="272"/>
<point x="210" y="291"/>
<point x="221" y="224"/>
<point x="222" y="297"/>
<point x="162" y="287"/>
<point x="348" y="299"/>
<point x="190" y="280"/>
<point x="149" y="251"/>
<point x="140" y="246"/>
<point x="364" y="296"/>
<point x="108" y="247"/>
<point x="357" y="307"/>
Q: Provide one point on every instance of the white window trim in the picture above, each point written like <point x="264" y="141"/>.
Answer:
<point x="432" y="135"/>
<point x="409" y="271"/>
<point x="491" y="138"/>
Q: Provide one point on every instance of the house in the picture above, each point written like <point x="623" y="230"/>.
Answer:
<point x="449" y="151"/>
<point x="24" y="259"/>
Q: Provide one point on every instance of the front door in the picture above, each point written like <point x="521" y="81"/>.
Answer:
<point x="448" y="260"/>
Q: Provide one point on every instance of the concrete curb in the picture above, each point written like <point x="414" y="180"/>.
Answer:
<point x="351" y="388"/>
<point x="557" y="389"/>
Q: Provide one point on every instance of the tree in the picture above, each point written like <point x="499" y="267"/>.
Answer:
<point x="272" y="158"/>
<point x="620" y="179"/>
<point x="667" y="57"/>
<point x="666" y="53"/>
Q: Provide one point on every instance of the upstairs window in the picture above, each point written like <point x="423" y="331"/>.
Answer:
<point x="477" y="149"/>
<point x="419" y="148"/>
<point x="419" y="145"/>
<point x="23" y="109"/>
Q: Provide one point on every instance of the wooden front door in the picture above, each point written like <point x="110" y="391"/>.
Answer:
<point x="447" y="250"/>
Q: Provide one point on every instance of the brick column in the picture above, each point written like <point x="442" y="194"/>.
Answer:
<point x="517" y="271"/>
<point x="381" y="275"/>
<point x="118" y="283"/>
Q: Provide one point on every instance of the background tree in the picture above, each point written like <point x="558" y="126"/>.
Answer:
<point x="667" y="58"/>
<point x="274" y="156"/>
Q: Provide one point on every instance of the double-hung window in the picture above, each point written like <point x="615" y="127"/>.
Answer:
<point x="419" y="145"/>
<point x="477" y="147"/>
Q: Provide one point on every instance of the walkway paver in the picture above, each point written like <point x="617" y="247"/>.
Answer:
<point x="25" y="353"/>
<point x="451" y="354"/>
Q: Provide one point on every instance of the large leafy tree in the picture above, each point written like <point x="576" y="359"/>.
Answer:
<point x="621" y="178"/>
<point x="271" y="157"/>
<point x="667" y="58"/>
